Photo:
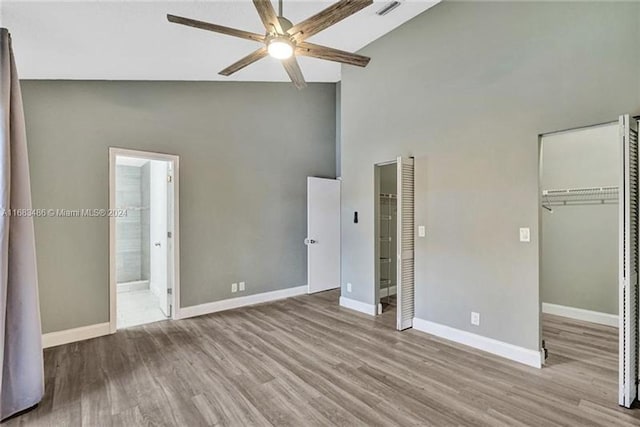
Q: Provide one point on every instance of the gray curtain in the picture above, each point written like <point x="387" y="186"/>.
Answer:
<point x="22" y="374"/>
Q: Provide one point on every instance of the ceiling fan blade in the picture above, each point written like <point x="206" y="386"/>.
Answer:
<point x="326" y="18"/>
<point x="268" y="15"/>
<point x="331" y="54"/>
<point x="216" y="28"/>
<point x="247" y="60"/>
<point x="294" y="71"/>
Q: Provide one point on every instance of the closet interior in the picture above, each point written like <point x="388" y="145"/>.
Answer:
<point x="387" y="233"/>
<point x="579" y="189"/>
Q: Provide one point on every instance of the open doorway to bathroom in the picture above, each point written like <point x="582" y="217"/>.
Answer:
<point x="143" y="200"/>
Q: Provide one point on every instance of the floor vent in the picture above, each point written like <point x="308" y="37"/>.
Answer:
<point x="388" y="8"/>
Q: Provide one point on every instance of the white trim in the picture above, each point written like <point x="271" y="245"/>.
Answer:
<point x="509" y="351"/>
<point x="137" y="285"/>
<point x="175" y="160"/>
<point x="581" y="314"/>
<point x="362" y="307"/>
<point x="231" y="303"/>
<point x="82" y="333"/>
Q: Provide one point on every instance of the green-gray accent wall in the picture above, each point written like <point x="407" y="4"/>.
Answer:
<point x="245" y="152"/>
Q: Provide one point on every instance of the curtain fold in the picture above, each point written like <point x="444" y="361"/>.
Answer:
<point x="22" y="373"/>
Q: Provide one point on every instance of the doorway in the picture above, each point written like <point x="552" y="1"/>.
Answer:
<point x="394" y="236"/>
<point x="387" y="238"/>
<point x="143" y="237"/>
<point x="588" y="252"/>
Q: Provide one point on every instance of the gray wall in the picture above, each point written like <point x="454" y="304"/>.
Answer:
<point x="579" y="264"/>
<point x="467" y="88"/>
<point x="245" y="152"/>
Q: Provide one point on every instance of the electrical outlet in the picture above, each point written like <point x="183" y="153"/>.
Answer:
<point x="525" y="234"/>
<point x="234" y="287"/>
<point x="348" y="287"/>
<point x="422" y="231"/>
<point x="475" y="318"/>
<point x="241" y="286"/>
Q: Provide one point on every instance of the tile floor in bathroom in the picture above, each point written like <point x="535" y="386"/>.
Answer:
<point x="137" y="308"/>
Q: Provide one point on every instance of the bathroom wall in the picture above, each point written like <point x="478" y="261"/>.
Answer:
<point x="132" y="230"/>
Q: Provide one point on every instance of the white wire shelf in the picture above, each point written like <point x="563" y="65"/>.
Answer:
<point x="388" y="196"/>
<point x="579" y="196"/>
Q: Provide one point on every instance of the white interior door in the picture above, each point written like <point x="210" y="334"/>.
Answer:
<point x="323" y="234"/>
<point x="406" y="242"/>
<point x="158" y="218"/>
<point x="628" y="316"/>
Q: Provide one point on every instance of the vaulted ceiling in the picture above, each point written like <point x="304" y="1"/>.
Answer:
<point x="132" y="40"/>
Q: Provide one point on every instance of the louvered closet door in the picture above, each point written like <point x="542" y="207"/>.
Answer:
<point x="406" y="242"/>
<point x="628" y="262"/>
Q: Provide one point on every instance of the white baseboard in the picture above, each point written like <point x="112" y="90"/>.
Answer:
<point x="228" y="304"/>
<point x="391" y="290"/>
<point x="362" y="307"/>
<point x="509" y="351"/>
<point x="67" y="336"/>
<point x="580" y="314"/>
<point x="138" y="285"/>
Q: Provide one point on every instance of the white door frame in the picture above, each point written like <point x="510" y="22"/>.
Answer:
<point x="175" y="160"/>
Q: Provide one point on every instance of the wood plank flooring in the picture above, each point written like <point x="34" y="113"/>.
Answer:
<point x="305" y="361"/>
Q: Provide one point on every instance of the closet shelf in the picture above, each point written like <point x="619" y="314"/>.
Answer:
<point x="385" y="260"/>
<point x="577" y="196"/>
<point x="386" y="239"/>
<point x="386" y="282"/>
<point x="388" y="196"/>
<point x="134" y="208"/>
<point x="385" y="217"/>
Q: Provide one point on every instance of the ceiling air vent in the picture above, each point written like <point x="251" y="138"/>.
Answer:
<point x="388" y="8"/>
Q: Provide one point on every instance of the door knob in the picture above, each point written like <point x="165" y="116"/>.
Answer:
<point x="309" y="241"/>
<point x="156" y="244"/>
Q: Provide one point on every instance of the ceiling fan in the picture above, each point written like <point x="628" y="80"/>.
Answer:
<point x="285" y="41"/>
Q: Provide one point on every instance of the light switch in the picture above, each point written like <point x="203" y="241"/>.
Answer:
<point x="525" y="234"/>
<point x="421" y="231"/>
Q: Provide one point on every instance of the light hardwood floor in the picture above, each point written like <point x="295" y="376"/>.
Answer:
<point x="305" y="361"/>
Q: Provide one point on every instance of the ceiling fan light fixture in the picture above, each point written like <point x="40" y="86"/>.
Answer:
<point x="280" y="48"/>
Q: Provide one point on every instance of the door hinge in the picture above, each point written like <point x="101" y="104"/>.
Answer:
<point x="169" y="291"/>
<point x="169" y="178"/>
<point x="168" y="234"/>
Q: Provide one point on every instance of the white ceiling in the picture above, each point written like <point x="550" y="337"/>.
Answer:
<point x="132" y="40"/>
